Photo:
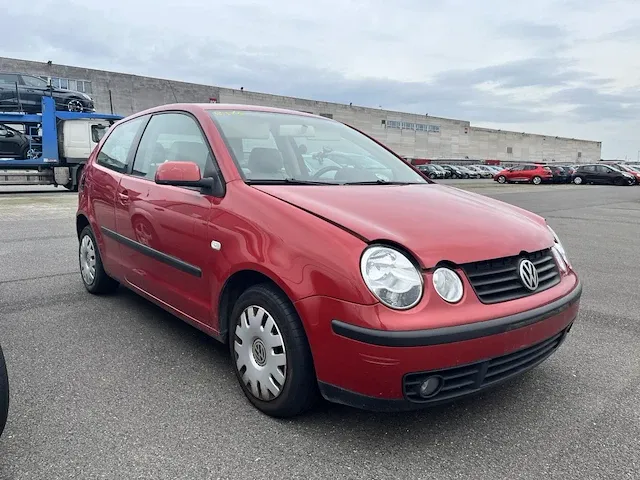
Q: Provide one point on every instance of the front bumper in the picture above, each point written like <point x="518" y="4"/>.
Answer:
<point x="382" y="370"/>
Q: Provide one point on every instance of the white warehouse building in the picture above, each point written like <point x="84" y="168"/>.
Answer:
<point x="411" y="135"/>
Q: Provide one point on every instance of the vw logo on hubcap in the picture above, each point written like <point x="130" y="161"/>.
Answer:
<point x="259" y="352"/>
<point x="528" y="274"/>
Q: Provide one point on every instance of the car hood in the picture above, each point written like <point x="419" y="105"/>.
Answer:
<point x="433" y="221"/>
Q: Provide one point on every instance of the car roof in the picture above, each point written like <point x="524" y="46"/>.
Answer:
<point x="203" y="107"/>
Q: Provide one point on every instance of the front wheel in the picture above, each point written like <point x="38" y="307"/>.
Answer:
<point x="502" y="179"/>
<point x="4" y="393"/>
<point x="270" y="353"/>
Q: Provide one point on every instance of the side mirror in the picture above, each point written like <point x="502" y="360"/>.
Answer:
<point x="186" y="174"/>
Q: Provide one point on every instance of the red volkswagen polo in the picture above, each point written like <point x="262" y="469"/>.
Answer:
<point x="328" y="265"/>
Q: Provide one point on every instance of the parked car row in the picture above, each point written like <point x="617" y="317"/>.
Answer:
<point x="596" y="173"/>
<point x="437" y="171"/>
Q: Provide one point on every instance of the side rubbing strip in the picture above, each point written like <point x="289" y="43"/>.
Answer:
<point x="153" y="253"/>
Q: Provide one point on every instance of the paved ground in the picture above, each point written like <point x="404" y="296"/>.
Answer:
<point x="116" y="388"/>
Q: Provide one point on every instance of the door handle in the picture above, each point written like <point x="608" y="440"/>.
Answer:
<point x="123" y="197"/>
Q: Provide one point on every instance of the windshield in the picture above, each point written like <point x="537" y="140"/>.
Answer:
<point x="273" y="147"/>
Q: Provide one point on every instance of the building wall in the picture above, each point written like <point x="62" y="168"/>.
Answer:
<point x="411" y="135"/>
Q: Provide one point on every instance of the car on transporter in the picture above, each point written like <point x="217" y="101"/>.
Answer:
<point x="22" y="92"/>
<point x="380" y="294"/>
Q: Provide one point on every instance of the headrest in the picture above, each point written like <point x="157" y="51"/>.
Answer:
<point x="265" y="160"/>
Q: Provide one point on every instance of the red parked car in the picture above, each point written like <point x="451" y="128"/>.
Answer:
<point x="376" y="288"/>
<point x="530" y="173"/>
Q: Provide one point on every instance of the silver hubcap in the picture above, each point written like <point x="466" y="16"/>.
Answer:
<point x="577" y="180"/>
<point x="74" y="106"/>
<point x="501" y="179"/>
<point x="536" y="180"/>
<point x="87" y="260"/>
<point x="260" y="355"/>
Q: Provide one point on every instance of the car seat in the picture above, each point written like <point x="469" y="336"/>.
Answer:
<point x="266" y="163"/>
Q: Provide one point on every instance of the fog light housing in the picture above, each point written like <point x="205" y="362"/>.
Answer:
<point x="430" y="387"/>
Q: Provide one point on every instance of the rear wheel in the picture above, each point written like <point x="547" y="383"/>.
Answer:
<point x="578" y="180"/>
<point x="92" y="272"/>
<point x="4" y="393"/>
<point x="536" y="180"/>
<point x="270" y="353"/>
<point x="75" y="105"/>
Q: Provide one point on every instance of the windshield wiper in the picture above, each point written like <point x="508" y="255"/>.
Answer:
<point x="380" y="181"/>
<point x="287" y="181"/>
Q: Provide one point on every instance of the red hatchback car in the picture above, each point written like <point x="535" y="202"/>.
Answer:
<point x="328" y="265"/>
<point x="530" y="173"/>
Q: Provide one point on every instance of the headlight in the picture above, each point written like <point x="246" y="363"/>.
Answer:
<point x="391" y="277"/>
<point x="448" y="284"/>
<point x="558" y="246"/>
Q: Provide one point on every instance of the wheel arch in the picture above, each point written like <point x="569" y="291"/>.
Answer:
<point x="81" y="222"/>
<point x="235" y="285"/>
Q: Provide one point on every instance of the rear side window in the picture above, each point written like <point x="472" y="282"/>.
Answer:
<point x="171" y="137"/>
<point x="115" y="151"/>
<point x="9" y="78"/>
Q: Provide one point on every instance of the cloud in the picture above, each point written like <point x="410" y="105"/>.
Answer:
<point x="486" y="62"/>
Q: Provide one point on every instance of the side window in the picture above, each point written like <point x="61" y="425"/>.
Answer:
<point x="603" y="169"/>
<point x="170" y="137"/>
<point x="115" y="150"/>
<point x="97" y="132"/>
<point x="10" y="78"/>
<point x="34" y="81"/>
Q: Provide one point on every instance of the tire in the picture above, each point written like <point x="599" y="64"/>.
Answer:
<point x="619" y="181"/>
<point x="578" y="181"/>
<point x="502" y="179"/>
<point x="4" y="393"/>
<point x="298" y="387"/>
<point x="74" y="105"/>
<point x="536" y="180"/>
<point x="99" y="282"/>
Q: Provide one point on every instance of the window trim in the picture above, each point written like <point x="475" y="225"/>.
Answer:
<point x="214" y="161"/>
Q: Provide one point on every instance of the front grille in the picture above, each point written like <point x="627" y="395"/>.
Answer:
<point x="467" y="379"/>
<point x="498" y="280"/>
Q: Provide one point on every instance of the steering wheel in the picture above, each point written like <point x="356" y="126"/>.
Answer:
<point x="326" y="169"/>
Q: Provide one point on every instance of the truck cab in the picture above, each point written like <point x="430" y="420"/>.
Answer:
<point x="78" y="138"/>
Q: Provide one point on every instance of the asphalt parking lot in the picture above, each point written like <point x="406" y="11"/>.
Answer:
<point x="114" y="387"/>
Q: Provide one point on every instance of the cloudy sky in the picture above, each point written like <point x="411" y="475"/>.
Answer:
<point x="556" y="67"/>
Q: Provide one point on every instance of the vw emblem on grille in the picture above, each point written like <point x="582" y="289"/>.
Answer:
<point x="528" y="274"/>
